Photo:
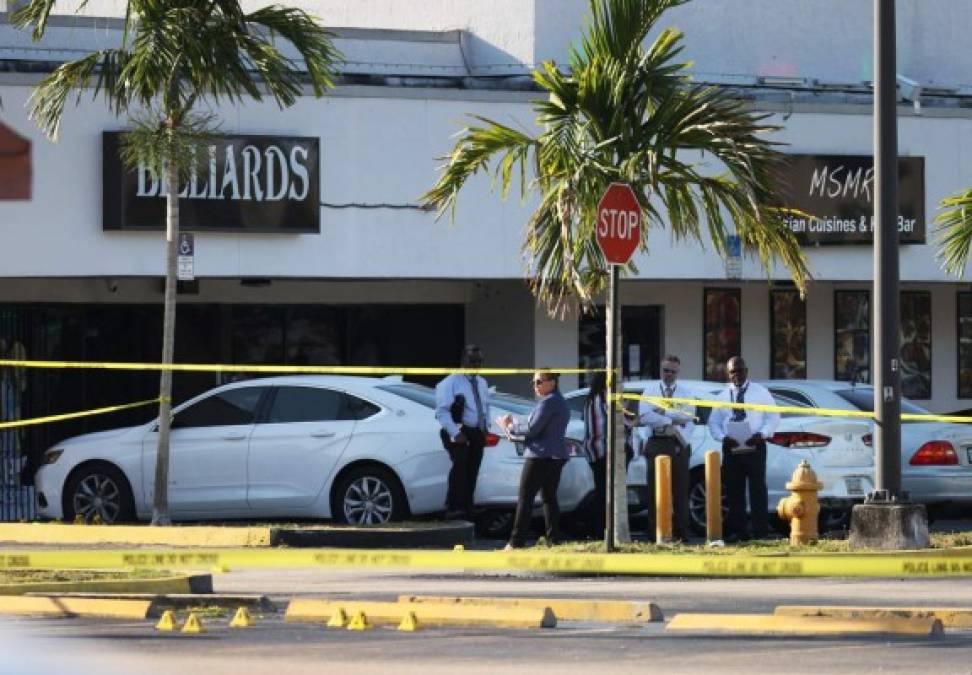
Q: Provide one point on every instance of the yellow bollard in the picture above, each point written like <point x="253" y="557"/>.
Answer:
<point x="713" y="496"/>
<point x="663" y="499"/>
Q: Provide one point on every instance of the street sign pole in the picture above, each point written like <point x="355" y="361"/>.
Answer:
<point x="613" y="338"/>
<point x="618" y="232"/>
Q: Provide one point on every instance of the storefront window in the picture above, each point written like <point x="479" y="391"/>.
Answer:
<point x="852" y="336"/>
<point x="964" y="344"/>
<point x="916" y="344"/>
<point x="788" y="340"/>
<point x="641" y="342"/>
<point x="722" y="330"/>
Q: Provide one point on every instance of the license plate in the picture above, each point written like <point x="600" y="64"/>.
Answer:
<point x="854" y="486"/>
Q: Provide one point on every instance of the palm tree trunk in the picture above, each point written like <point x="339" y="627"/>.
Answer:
<point x="160" y="504"/>
<point x="620" y="532"/>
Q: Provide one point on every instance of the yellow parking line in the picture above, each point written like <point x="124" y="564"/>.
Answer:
<point x="772" y="624"/>
<point x="428" y="614"/>
<point x="951" y="617"/>
<point x="609" y="611"/>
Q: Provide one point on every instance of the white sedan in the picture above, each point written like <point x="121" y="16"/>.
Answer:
<point x="837" y="450"/>
<point x="357" y="449"/>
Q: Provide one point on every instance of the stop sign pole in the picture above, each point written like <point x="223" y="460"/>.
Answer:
<point x="618" y="231"/>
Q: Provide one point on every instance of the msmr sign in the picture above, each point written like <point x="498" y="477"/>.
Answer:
<point x="838" y="190"/>
<point x="241" y="184"/>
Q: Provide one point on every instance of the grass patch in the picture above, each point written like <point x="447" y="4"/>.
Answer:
<point x="31" y="576"/>
<point x="939" y="540"/>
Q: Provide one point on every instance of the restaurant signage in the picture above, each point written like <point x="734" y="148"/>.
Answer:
<point x="268" y="184"/>
<point x="838" y="191"/>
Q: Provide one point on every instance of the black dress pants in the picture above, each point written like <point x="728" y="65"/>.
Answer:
<point x="680" y="480"/>
<point x="543" y="475"/>
<point x="466" y="459"/>
<point x="740" y="469"/>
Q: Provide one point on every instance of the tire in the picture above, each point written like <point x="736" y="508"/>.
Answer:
<point x="98" y="491"/>
<point x="697" y="503"/>
<point x="369" y="495"/>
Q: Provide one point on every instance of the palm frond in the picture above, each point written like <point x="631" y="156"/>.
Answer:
<point x="953" y="232"/>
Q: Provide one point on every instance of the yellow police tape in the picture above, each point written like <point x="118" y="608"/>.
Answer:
<point x="75" y="415"/>
<point x="286" y="370"/>
<point x="822" y="412"/>
<point x="956" y="564"/>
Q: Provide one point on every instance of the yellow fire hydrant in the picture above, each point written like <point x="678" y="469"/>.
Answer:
<point x="801" y="508"/>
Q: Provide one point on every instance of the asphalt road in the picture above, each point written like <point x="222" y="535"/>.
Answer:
<point x="106" y="647"/>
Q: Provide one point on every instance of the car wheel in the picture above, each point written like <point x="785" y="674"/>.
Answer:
<point x="369" y="495"/>
<point x="101" y="492"/>
<point x="697" y="503"/>
<point x="494" y="524"/>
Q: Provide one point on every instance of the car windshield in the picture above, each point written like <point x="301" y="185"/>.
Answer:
<point x="416" y="393"/>
<point x="862" y="398"/>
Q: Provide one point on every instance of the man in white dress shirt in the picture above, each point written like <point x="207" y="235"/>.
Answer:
<point x="462" y="409"/>
<point x="671" y="432"/>
<point x="743" y="435"/>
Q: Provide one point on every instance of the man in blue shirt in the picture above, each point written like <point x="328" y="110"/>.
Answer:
<point x="546" y="453"/>
<point x="462" y="409"/>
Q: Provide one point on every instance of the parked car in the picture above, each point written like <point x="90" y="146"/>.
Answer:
<point x="357" y="449"/>
<point x="837" y="449"/>
<point x="936" y="457"/>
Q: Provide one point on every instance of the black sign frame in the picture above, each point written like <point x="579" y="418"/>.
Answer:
<point x="246" y="184"/>
<point x="837" y="190"/>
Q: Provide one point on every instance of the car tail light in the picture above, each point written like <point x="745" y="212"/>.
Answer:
<point x="935" y="453"/>
<point x="492" y="440"/>
<point x="868" y="441"/>
<point x="799" y="439"/>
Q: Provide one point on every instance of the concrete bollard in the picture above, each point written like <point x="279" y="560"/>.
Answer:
<point x="663" y="499"/>
<point x="713" y="496"/>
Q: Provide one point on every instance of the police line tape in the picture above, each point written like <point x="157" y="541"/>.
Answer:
<point x="669" y="403"/>
<point x="955" y="564"/>
<point x="75" y="415"/>
<point x="287" y="369"/>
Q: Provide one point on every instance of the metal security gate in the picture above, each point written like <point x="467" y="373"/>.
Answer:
<point x="16" y="500"/>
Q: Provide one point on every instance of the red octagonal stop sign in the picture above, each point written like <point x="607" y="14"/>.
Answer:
<point x="618" y="223"/>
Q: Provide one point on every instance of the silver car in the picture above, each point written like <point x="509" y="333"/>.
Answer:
<point x="936" y="457"/>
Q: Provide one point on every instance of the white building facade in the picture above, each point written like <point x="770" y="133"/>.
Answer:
<point x="380" y="281"/>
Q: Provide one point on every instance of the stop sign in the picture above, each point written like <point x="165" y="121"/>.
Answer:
<point x="618" y="223"/>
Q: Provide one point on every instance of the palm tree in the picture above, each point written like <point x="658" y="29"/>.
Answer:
<point x="626" y="112"/>
<point x="954" y="231"/>
<point x="175" y="56"/>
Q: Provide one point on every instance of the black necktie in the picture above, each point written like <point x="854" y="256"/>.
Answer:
<point x="738" y="414"/>
<point x="480" y="418"/>
<point x="669" y="391"/>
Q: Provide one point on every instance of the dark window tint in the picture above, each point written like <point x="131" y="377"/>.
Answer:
<point x="236" y="406"/>
<point x="313" y="404"/>
<point x="863" y="399"/>
<point x="792" y="399"/>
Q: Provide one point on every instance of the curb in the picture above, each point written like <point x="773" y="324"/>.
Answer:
<point x="566" y="609"/>
<point x="443" y="534"/>
<point x="179" y="601"/>
<point x="189" y="535"/>
<point x="951" y="617"/>
<point x="771" y="624"/>
<point x="429" y="614"/>
<point x="70" y="607"/>
<point x="193" y="583"/>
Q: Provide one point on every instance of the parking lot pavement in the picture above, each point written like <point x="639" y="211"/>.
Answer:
<point x="107" y="647"/>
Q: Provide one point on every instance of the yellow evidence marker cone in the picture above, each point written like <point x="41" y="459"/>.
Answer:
<point x="193" y="624"/>
<point x="410" y="623"/>
<point x="359" y="622"/>
<point x="242" y="619"/>
<point x="339" y="619"/>
<point x="167" y="621"/>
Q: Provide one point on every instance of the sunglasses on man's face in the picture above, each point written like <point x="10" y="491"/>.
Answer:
<point x="737" y="372"/>
<point x="669" y="371"/>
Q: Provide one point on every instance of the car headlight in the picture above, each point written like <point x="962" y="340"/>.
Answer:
<point x="52" y="456"/>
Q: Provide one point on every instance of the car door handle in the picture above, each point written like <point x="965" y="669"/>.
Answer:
<point x="234" y="437"/>
<point x="323" y="433"/>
